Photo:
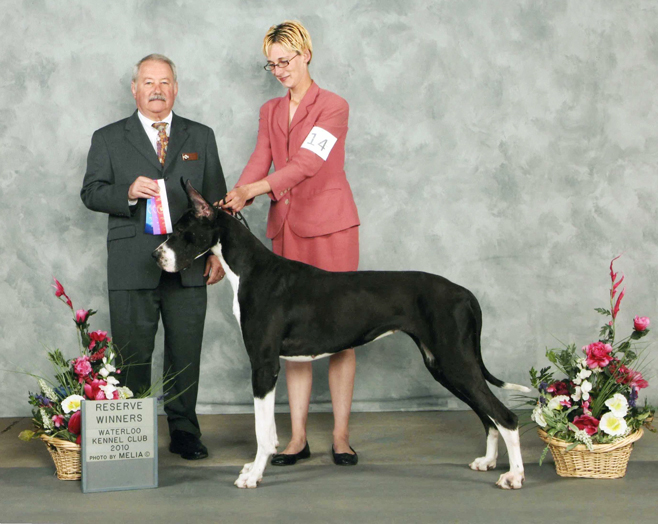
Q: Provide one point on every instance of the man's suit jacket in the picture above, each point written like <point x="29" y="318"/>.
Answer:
<point x="311" y="193"/>
<point x="119" y="153"/>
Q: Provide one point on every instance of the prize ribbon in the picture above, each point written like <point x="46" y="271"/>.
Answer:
<point x="158" y="220"/>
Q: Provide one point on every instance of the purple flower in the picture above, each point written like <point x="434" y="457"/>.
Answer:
<point x="542" y="387"/>
<point x="633" y="398"/>
<point x="44" y="401"/>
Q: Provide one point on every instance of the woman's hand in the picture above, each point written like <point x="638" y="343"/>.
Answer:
<point x="239" y="197"/>
<point x="236" y="199"/>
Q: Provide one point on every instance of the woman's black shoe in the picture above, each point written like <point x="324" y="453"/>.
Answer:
<point x="281" y="459"/>
<point x="345" y="459"/>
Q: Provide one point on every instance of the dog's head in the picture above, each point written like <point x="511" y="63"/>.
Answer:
<point x="194" y="234"/>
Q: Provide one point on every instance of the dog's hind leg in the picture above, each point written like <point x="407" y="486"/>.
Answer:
<point x="264" y="385"/>
<point x="466" y="381"/>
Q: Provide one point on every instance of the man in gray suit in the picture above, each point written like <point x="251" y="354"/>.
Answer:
<point x="125" y="160"/>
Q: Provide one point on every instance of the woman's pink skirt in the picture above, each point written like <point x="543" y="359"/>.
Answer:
<point x="334" y="252"/>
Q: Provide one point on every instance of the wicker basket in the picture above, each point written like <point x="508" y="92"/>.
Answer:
<point x="605" y="461"/>
<point x="66" y="456"/>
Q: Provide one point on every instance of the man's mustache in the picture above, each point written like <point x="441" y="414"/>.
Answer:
<point x="157" y="97"/>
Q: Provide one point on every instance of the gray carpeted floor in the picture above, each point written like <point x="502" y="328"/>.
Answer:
<point x="413" y="468"/>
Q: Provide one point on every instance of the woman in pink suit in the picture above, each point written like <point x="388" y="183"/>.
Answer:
<point x="312" y="217"/>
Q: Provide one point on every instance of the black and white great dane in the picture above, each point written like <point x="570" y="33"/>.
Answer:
<point x="294" y="311"/>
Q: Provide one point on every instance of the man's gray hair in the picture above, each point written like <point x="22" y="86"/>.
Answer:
<point x="158" y="58"/>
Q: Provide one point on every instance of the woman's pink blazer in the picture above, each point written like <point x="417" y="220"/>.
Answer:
<point x="310" y="192"/>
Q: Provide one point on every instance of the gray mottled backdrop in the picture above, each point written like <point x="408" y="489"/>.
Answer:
<point x="510" y="146"/>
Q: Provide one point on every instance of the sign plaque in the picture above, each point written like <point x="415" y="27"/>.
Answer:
<point x="119" y="444"/>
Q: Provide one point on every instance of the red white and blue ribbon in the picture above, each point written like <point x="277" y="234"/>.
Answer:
<point x="158" y="220"/>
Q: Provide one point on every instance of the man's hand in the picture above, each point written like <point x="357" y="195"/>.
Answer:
<point x="143" y="187"/>
<point x="214" y="270"/>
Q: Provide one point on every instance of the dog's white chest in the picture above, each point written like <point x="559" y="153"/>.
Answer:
<point x="233" y="279"/>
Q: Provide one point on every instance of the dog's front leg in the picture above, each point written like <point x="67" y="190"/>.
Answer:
<point x="252" y="473"/>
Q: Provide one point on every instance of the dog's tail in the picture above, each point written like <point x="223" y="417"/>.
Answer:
<point x="477" y="313"/>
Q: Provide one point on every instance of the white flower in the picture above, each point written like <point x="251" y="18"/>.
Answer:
<point x="538" y="416"/>
<point x="47" y="423"/>
<point x="47" y="390"/>
<point x="556" y="402"/>
<point x="577" y="395"/>
<point x="586" y="387"/>
<point x="72" y="403"/>
<point x="582" y="375"/>
<point x="582" y="363"/>
<point x="125" y="392"/>
<point x="582" y="435"/>
<point x="107" y="368"/>
<point x="612" y="425"/>
<point x="618" y="405"/>
<point x="109" y="389"/>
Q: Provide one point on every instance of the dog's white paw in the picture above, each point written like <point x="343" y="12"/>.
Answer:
<point x="248" y="480"/>
<point x="246" y="468"/>
<point x="511" y="480"/>
<point x="482" y="464"/>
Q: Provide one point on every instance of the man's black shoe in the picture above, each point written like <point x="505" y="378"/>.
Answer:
<point x="188" y="446"/>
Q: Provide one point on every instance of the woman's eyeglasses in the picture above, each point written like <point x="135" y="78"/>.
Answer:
<point x="282" y="64"/>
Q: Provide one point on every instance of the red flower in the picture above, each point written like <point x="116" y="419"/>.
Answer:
<point x="78" y="440"/>
<point x="558" y="388"/>
<point x="59" y="289"/>
<point x="640" y="323"/>
<point x="59" y="292"/>
<point x="616" y="309"/>
<point x="587" y="423"/>
<point x="97" y="336"/>
<point x="98" y="355"/>
<point x="598" y="354"/>
<point x="75" y="422"/>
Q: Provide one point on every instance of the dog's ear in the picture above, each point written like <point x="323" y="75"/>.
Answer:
<point x="202" y="208"/>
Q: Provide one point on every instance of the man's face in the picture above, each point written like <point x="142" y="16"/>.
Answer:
<point x="155" y="90"/>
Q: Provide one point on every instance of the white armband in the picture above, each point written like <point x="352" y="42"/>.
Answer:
<point x="320" y="141"/>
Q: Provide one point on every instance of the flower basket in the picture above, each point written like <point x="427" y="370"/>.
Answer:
<point x="66" y="456"/>
<point x="605" y="461"/>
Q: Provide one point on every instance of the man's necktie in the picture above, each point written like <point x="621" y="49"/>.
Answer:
<point x="163" y="140"/>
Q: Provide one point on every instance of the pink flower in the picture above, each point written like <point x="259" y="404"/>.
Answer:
<point x="81" y="316"/>
<point x="75" y="422"/>
<point x="585" y="405"/>
<point x="93" y="391"/>
<point x="82" y="367"/>
<point x="598" y="354"/>
<point x="640" y="323"/>
<point x="636" y="381"/>
<point x="58" y="420"/>
<point x="587" y="423"/>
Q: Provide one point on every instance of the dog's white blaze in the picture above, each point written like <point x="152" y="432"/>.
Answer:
<point x="306" y="358"/>
<point x="514" y="478"/>
<point x="232" y="278"/>
<point x="252" y="473"/>
<point x="167" y="258"/>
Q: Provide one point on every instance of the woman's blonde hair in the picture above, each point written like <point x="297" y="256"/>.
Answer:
<point x="292" y="35"/>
